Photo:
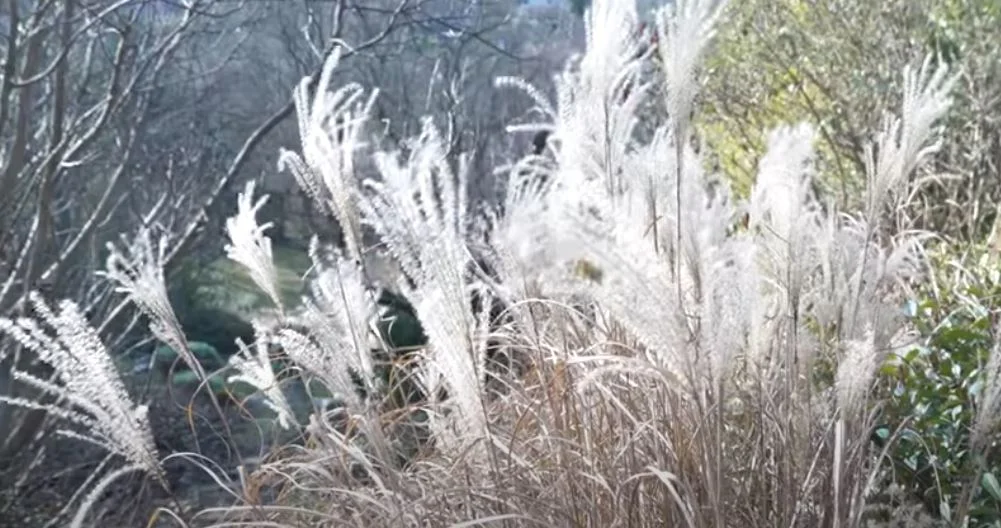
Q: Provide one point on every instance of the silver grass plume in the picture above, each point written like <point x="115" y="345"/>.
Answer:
<point x="254" y="368"/>
<point x="419" y="209"/>
<point x="90" y="393"/>
<point x="330" y="127"/>
<point x="342" y="301"/>
<point x="685" y="28"/>
<point x="906" y="140"/>
<point x="138" y="271"/>
<point x="250" y="247"/>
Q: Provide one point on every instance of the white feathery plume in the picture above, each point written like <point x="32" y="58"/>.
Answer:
<point x="420" y="211"/>
<point x="91" y="394"/>
<point x="855" y="374"/>
<point x="598" y="104"/>
<point x="904" y="141"/>
<point x="138" y="270"/>
<point x="684" y="28"/>
<point x="784" y="216"/>
<point x="341" y="310"/>
<point x="337" y="318"/>
<point x="989" y="407"/>
<point x="254" y="368"/>
<point x="330" y="128"/>
<point x="250" y="247"/>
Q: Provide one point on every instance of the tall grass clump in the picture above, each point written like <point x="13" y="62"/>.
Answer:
<point x="691" y="358"/>
<point x="695" y="359"/>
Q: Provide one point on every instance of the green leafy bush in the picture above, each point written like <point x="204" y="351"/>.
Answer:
<point x="935" y="387"/>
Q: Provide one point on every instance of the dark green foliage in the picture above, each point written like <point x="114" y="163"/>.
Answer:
<point x="181" y="376"/>
<point x="934" y="389"/>
<point x="188" y="379"/>
<point x="399" y="326"/>
<point x="216" y="327"/>
<point x="206" y="354"/>
<point x="401" y="331"/>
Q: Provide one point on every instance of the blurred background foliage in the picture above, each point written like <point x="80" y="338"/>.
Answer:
<point x="780" y="61"/>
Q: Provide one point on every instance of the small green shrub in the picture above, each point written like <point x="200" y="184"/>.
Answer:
<point x="934" y="389"/>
